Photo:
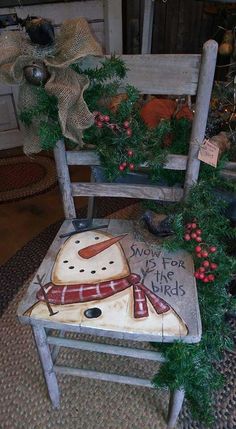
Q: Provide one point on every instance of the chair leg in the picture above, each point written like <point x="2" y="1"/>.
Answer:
<point x="47" y="364"/>
<point x="175" y="405"/>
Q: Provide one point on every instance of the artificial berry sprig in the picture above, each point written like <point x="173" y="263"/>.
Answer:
<point x="204" y="271"/>
<point x="126" y="125"/>
<point x="101" y="120"/>
<point x="193" y="232"/>
<point x="126" y="164"/>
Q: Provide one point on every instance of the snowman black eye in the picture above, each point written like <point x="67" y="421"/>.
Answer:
<point x="71" y="268"/>
<point x="111" y="262"/>
<point x="93" y="313"/>
<point x="77" y="241"/>
<point x="96" y="238"/>
<point x="65" y="262"/>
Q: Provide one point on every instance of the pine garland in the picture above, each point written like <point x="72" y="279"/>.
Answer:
<point x="193" y="367"/>
<point x="114" y="145"/>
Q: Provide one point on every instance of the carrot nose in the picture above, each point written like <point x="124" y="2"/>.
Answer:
<point x="95" y="249"/>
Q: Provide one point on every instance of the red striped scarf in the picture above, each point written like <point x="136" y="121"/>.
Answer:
<point x="78" y="293"/>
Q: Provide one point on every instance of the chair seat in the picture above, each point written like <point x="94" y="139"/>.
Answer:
<point x="110" y="282"/>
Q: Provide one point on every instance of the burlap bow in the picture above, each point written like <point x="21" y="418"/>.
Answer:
<point x="72" y="43"/>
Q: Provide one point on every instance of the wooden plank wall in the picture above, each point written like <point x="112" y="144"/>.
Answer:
<point x="180" y="26"/>
<point x="91" y="10"/>
<point x="11" y="3"/>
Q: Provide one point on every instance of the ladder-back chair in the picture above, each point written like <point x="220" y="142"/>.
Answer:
<point x="107" y="282"/>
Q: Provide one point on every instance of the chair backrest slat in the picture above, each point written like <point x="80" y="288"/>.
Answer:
<point x="151" y="192"/>
<point x="173" y="74"/>
<point x="163" y="74"/>
<point x="150" y="74"/>
<point x="91" y="158"/>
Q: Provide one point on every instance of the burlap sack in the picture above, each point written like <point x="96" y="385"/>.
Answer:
<point x="73" y="42"/>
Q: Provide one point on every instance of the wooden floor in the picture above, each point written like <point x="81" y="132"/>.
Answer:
<point x="22" y="220"/>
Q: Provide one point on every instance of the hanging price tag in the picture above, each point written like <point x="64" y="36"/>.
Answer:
<point x="209" y="153"/>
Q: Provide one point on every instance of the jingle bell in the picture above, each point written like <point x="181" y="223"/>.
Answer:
<point x="36" y="74"/>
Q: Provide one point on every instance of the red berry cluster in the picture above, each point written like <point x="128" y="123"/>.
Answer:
<point x="126" y="164"/>
<point x="126" y="126"/>
<point x="193" y="232"/>
<point x="203" y="273"/>
<point x="101" y="120"/>
<point x="104" y="120"/>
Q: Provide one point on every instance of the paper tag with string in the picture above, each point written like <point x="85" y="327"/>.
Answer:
<point x="208" y="153"/>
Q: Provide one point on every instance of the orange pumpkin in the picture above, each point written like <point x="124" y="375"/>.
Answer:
<point x="160" y="108"/>
<point x="156" y="110"/>
<point x="184" y="112"/>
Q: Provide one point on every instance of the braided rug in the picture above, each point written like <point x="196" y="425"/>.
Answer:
<point x="22" y="177"/>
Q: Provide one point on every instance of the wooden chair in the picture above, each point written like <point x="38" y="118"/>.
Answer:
<point x="161" y="287"/>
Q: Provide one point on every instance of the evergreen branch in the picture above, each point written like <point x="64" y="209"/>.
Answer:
<point x="113" y="67"/>
<point x="193" y="366"/>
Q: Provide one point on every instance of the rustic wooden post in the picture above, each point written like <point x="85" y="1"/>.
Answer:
<point x="206" y="78"/>
<point x="147" y="27"/>
<point x="91" y="200"/>
<point x="47" y="364"/>
<point x="113" y="26"/>
<point x="175" y="405"/>
<point x="64" y="180"/>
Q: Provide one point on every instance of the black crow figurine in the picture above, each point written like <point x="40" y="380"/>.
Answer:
<point x="160" y="228"/>
<point x="40" y="30"/>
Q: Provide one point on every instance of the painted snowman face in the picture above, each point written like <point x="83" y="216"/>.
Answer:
<point x="71" y="268"/>
<point x="93" y="257"/>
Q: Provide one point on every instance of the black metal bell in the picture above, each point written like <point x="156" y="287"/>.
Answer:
<point x="36" y="74"/>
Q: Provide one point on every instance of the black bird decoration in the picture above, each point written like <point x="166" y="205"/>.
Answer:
<point x="160" y="228"/>
<point x="40" y="30"/>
